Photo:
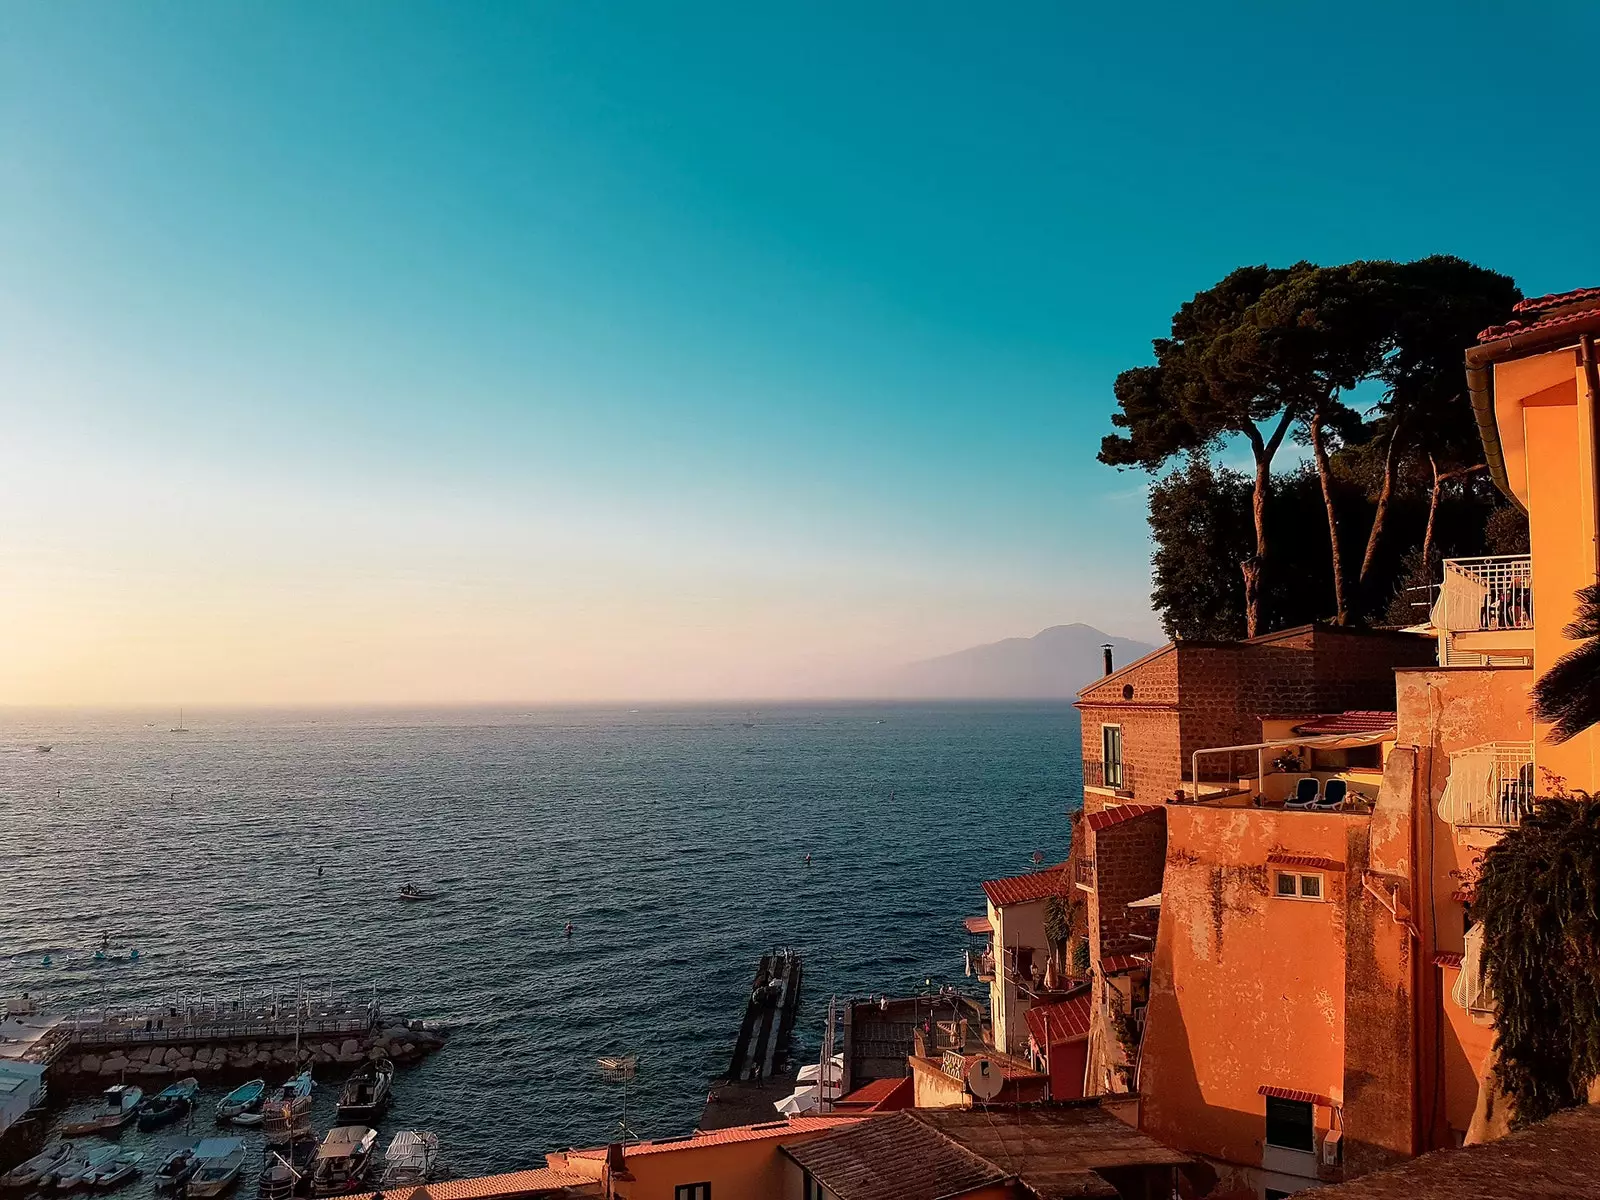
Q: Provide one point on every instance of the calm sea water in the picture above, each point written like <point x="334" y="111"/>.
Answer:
<point x="672" y="839"/>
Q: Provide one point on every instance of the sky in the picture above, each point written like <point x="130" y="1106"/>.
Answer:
<point x="400" y="352"/>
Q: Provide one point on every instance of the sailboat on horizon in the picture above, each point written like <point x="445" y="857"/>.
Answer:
<point x="180" y="727"/>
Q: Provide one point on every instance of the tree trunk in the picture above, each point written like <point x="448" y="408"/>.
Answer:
<point x="1319" y="451"/>
<point x="1252" y="567"/>
<point x="1381" y="514"/>
<point x="1433" y="512"/>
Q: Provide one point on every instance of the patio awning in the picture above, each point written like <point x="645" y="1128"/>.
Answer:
<point x="1146" y="902"/>
<point x="977" y="925"/>
<point x="1321" y="741"/>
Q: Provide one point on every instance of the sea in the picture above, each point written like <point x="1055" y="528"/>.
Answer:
<point x="262" y="849"/>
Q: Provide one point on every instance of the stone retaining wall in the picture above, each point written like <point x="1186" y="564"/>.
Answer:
<point x="398" y="1042"/>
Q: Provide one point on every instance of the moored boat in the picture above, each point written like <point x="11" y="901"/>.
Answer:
<point x="410" y="1159"/>
<point x="286" y="1170"/>
<point x="83" y="1167"/>
<point x="218" y="1162"/>
<point x="413" y="893"/>
<point x="366" y="1093"/>
<point x="117" y="1171"/>
<point x="342" y="1162"/>
<point x="175" y="1169"/>
<point x="25" y="1174"/>
<point x="118" y="1105"/>
<point x="246" y="1098"/>
<point x="171" y="1104"/>
<point x="286" y="1113"/>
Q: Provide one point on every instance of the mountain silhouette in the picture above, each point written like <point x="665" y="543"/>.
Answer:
<point x="1054" y="663"/>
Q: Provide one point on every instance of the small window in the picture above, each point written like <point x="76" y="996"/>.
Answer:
<point x="811" y="1189"/>
<point x="1289" y="1124"/>
<point x="1127" y="691"/>
<point x="1111" y="754"/>
<point x="692" y="1191"/>
<point x="1292" y="885"/>
<point x="1268" y="1194"/>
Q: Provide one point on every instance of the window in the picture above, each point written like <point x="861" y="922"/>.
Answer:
<point x="692" y="1191"/>
<point x="1275" y="1194"/>
<point x="810" y="1188"/>
<point x="1289" y="1124"/>
<point x="1111" y="754"/>
<point x="1292" y="885"/>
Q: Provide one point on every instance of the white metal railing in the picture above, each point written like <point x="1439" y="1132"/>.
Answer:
<point x="1485" y="593"/>
<point x="1490" y="785"/>
<point x="1472" y="991"/>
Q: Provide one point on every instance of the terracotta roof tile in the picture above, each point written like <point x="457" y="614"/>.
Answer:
<point x="1495" y="332"/>
<point x="1536" y="304"/>
<point x="977" y="925"/>
<point x="894" y="1158"/>
<point x="489" y="1187"/>
<point x="1116" y="964"/>
<point x="1305" y="860"/>
<point x="881" y="1095"/>
<point x="1107" y="817"/>
<point x="1019" y="889"/>
<point x="1446" y="958"/>
<point x="1355" y="721"/>
<point x="741" y="1133"/>
<point x="1063" y="1021"/>
<point x="1294" y="1094"/>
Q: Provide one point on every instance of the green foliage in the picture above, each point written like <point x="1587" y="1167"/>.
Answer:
<point x="1058" y="915"/>
<point x="1267" y="351"/>
<point x="1538" y="897"/>
<point x="1080" y="957"/>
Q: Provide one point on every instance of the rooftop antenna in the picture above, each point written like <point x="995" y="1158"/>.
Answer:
<point x="621" y="1069"/>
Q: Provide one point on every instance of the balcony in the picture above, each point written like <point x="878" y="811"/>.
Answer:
<point x="1485" y="611"/>
<point x="1490" y="786"/>
<point x="1083" y="873"/>
<point x="1119" y="777"/>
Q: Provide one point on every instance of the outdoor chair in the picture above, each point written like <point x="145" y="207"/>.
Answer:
<point x="1305" y="794"/>
<point x="1333" y="794"/>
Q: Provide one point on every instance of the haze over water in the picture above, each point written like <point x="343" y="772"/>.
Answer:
<point x="672" y="838"/>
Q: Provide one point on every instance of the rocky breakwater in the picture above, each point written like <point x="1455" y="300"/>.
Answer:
<point x="398" y="1041"/>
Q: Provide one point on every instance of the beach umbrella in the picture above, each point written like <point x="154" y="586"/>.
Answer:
<point x="802" y="1100"/>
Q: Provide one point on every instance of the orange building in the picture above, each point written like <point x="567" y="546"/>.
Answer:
<point x="741" y="1161"/>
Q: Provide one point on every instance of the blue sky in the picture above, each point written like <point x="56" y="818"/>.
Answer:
<point x="363" y="351"/>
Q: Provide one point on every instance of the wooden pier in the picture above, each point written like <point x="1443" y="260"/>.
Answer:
<point x="760" y="1072"/>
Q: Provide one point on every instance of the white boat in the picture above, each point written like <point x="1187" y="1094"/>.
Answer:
<point x="41" y="1164"/>
<point x="410" y="1158"/>
<point x="413" y="894"/>
<point x="118" y="1105"/>
<point x="246" y="1098"/>
<point x="84" y="1167"/>
<point x="345" y="1157"/>
<point x="118" y="1171"/>
<point x="218" y="1163"/>
<point x="175" y="1169"/>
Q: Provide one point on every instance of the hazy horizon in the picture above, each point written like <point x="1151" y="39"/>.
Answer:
<point x="424" y="354"/>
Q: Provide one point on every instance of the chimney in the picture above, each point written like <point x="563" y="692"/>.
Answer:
<point x="1105" y="648"/>
<point x="614" y="1157"/>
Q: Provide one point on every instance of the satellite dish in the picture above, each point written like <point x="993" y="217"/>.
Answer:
<point x="1038" y="857"/>
<point x="984" y="1079"/>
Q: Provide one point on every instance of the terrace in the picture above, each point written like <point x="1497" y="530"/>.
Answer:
<point x="1490" y="786"/>
<point x="1332" y="763"/>
<point x="1484" y="611"/>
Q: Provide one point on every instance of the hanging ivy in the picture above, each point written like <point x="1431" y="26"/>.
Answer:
<point x="1058" y="917"/>
<point x="1538" y="897"/>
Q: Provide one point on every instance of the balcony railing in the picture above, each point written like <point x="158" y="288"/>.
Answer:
<point x="1490" y="786"/>
<point x="1084" y="872"/>
<point x="1118" y="776"/>
<point x="1485" y="593"/>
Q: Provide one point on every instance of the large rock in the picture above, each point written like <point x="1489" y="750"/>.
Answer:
<point x="89" y="1064"/>
<point x="349" y="1046"/>
<point x="183" y="1066"/>
<point x="329" y="1049"/>
<point x="114" y="1065"/>
<point x="172" y="1057"/>
<point x="203" y="1055"/>
<point x="139" y="1054"/>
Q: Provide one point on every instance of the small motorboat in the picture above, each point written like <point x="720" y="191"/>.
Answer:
<point x="366" y="1093"/>
<point x="413" y="893"/>
<point x="118" y="1105"/>
<point x="246" y="1098"/>
<point x="175" y="1169"/>
<point x="342" y="1162"/>
<point x="123" y="1167"/>
<point x="25" y="1174"/>
<point x="171" y="1104"/>
<point x="84" y="1167"/>
<point x="286" y="1112"/>
<point x="410" y="1159"/>
<point x="285" y="1170"/>
<point x="218" y="1162"/>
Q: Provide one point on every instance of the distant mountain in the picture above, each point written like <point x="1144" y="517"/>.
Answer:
<point x="1053" y="664"/>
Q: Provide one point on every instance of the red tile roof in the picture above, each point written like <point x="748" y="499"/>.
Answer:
<point x="1122" y="812"/>
<point x="1019" y="889"/>
<point x="1495" y="332"/>
<point x="977" y="924"/>
<point x="1354" y="721"/>
<point x="881" y="1095"/>
<point x="1446" y="958"/>
<point x="1117" y="963"/>
<point x="1063" y="1021"/>
<point x="1305" y="860"/>
<point x="489" y="1187"/>
<point x="781" y="1128"/>
<point x="1293" y="1094"/>
<point x="1464" y="895"/>
<point x="1535" y="304"/>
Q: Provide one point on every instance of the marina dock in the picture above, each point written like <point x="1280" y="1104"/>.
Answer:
<point x="761" y="1071"/>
